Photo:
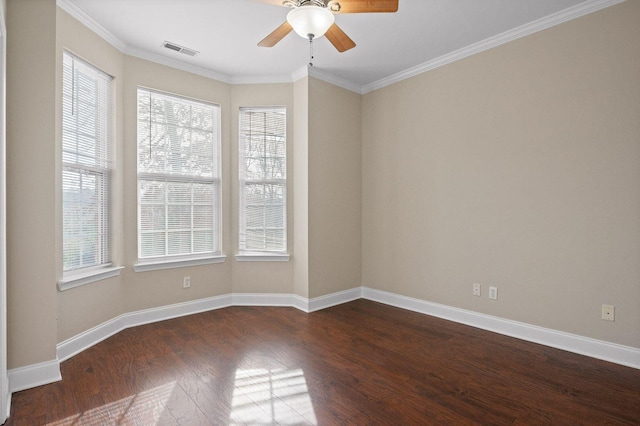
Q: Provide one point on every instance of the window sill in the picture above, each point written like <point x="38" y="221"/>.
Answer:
<point x="177" y="263"/>
<point x="262" y="257"/>
<point x="87" y="277"/>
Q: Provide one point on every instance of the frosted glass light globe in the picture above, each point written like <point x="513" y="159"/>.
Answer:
<point x="313" y="20"/>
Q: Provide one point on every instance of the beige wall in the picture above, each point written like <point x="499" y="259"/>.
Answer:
<point x="40" y="316"/>
<point x="327" y="196"/>
<point x="301" y="183"/>
<point x="518" y="168"/>
<point x="31" y="177"/>
<point x="82" y="308"/>
<point x="4" y="381"/>
<point x="151" y="289"/>
<point x="334" y="164"/>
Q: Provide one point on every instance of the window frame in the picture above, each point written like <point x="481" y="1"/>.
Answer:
<point x="245" y="254"/>
<point x="102" y="169"/>
<point x="166" y="261"/>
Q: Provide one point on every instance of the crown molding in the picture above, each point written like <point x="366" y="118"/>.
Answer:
<point x="261" y="79"/>
<point x="541" y="24"/>
<point x="310" y="71"/>
<point x="335" y="80"/>
<point x="174" y="63"/>
<point x="300" y="73"/>
<point x="92" y="24"/>
<point x="110" y="38"/>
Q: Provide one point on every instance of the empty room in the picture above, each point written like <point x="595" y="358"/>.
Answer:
<point x="319" y="212"/>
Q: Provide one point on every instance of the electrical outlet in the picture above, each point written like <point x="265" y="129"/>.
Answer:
<point x="493" y="293"/>
<point x="608" y="313"/>
<point x="186" y="282"/>
<point x="476" y="289"/>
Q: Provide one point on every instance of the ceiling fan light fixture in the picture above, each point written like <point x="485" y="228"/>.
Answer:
<point x="310" y="20"/>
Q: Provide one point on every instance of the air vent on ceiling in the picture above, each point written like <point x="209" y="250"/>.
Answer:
<point x="181" y="49"/>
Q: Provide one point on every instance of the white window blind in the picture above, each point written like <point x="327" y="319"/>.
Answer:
<point x="178" y="176"/>
<point x="263" y="180"/>
<point x="86" y="165"/>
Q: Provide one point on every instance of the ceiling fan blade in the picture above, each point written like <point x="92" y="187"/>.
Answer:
<point x="363" y="6"/>
<point x="339" y="39"/>
<point x="277" y="35"/>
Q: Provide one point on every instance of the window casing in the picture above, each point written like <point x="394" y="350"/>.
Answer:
<point x="178" y="177"/>
<point x="86" y="166"/>
<point x="263" y="181"/>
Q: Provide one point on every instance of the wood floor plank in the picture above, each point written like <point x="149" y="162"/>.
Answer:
<point x="356" y="363"/>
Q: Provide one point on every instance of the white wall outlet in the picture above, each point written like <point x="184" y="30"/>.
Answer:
<point x="493" y="293"/>
<point x="476" y="289"/>
<point x="186" y="282"/>
<point x="608" y="313"/>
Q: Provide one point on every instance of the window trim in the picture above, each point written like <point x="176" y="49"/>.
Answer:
<point x="176" y="261"/>
<point x="255" y="255"/>
<point x="262" y="257"/>
<point x="154" y="264"/>
<point x="81" y="277"/>
<point x="92" y="273"/>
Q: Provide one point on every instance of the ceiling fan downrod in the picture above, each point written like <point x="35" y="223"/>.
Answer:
<point x="310" y="49"/>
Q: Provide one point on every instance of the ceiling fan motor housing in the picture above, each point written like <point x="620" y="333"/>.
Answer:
<point x="311" y="19"/>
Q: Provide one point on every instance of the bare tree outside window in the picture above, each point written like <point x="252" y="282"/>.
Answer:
<point x="263" y="180"/>
<point x="178" y="176"/>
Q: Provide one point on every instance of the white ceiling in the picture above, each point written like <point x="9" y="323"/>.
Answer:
<point x="226" y="33"/>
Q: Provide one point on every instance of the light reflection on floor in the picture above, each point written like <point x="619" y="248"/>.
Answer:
<point x="271" y="396"/>
<point x="149" y="404"/>
<point x="261" y="396"/>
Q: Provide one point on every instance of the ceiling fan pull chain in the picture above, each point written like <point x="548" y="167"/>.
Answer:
<point x="310" y="50"/>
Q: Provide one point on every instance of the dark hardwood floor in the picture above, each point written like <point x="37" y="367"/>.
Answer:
<point x="360" y="363"/>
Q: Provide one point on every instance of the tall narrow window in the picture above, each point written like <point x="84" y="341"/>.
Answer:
<point x="178" y="177"/>
<point x="263" y="180"/>
<point x="86" y="165"/>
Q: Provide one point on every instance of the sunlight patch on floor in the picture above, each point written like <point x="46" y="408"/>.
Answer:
<point x="146" y="406"/>
<point x="271" y="396"/>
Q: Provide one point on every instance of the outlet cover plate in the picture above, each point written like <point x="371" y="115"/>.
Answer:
<point x="476" y="290"/>
<point x="493" y="293"/>
<point x="608" y="312"/>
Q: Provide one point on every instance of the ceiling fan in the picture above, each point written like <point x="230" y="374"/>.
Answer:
<point x="312" y="19"/>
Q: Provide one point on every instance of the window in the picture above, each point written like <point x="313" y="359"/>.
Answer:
<point x="86" y="165"/>
<point x="263" y="181"/>
<point x="178" y="177"/>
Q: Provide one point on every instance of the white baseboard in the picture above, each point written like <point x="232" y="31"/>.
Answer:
<point x="162" y="313"/>
<point x="8" y="408"/>
<point x="258" y="299"/>
<point x="85" y="340"/>
<point x="333" y="299"/>
<point x="301" y="303"/>
<point x="6" y="399"/>
<point x="88" y="338"/>
<point x="34" y="375"/>
<point x="619" y="354"/>
<point x="295" y="301"/>
<point x="48" y="372"/>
